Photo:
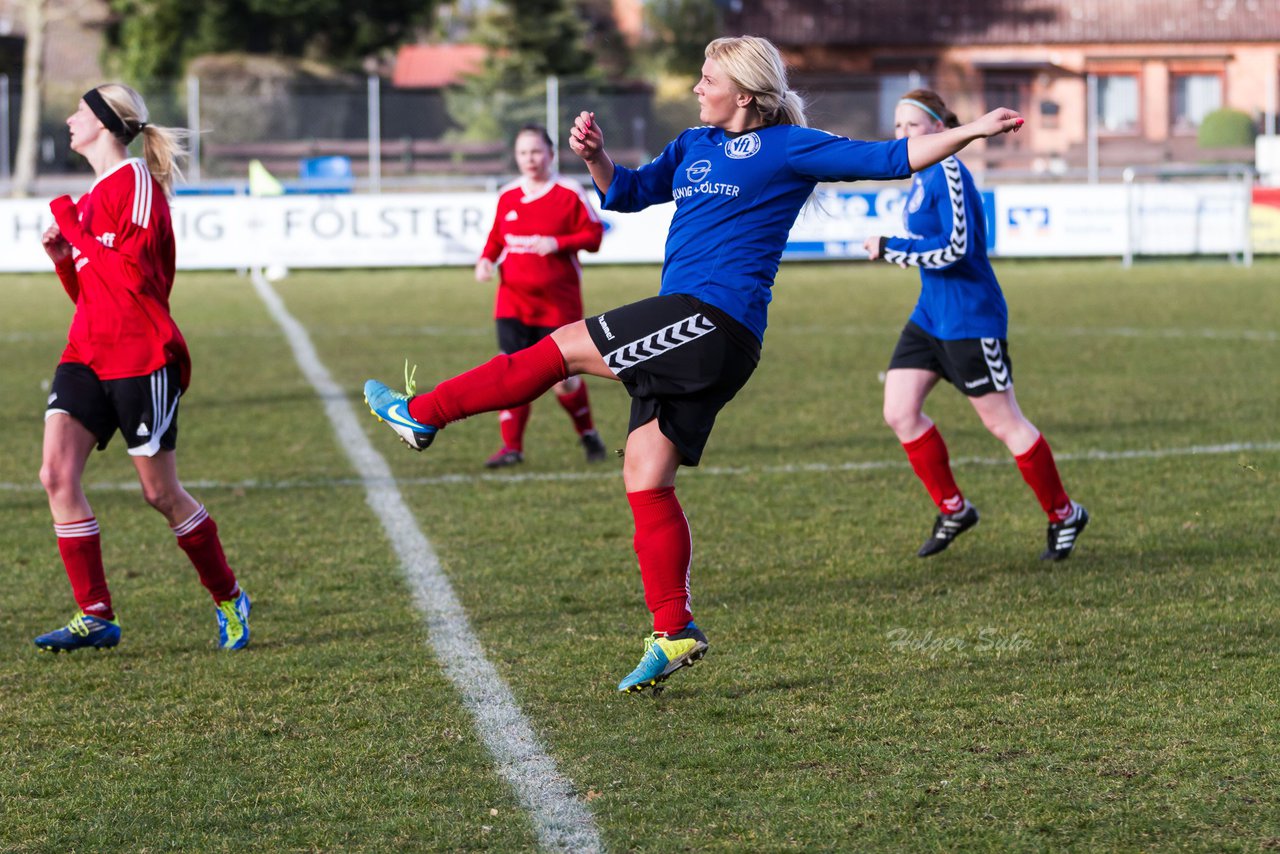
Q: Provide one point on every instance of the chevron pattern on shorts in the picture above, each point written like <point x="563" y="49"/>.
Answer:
<point x="1000" y="379"/>
<point x="664" y="340"/>
<point x="958" y="245"/>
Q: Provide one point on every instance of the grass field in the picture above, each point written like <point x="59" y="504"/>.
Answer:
<point x="855" y="697"/>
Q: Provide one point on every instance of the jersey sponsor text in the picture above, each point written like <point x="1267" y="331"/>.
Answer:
<point x="713" y="189"/>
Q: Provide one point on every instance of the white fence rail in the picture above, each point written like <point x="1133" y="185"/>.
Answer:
<point x="435" y="229"/>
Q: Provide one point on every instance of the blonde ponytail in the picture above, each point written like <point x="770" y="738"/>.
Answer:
<point x="162" y="147"/>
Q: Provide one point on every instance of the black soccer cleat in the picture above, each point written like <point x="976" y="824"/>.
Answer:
<point x="504" y="458"/>
<point x="594" y="447"/>
<point x="1062" y="535"/>
<point x="947" y="527"/>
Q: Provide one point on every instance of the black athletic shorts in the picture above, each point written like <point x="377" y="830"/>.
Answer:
<point x="144" y="409"/>
<point x="514" y="335"/>
<point x="976" y="366"/>
<point x="681" y="361"/>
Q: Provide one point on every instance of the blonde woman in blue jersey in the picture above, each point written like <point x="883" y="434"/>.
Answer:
<point x="738" y="184"/>
<point x="958" y="332"/>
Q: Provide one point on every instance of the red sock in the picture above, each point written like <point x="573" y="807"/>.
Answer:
<point x="665" y="550"/>
<point x="503" y="382"/>
<point x="932" y="464"/>
<point x="579" y="408"/>
<point x="1041" y="474"/>
<point x="511" y="422"/>
<point x="198" y="537"/>
<point x="80" y="544"/>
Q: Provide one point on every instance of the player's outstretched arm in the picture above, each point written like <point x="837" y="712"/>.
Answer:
<point x="930" y="148"/>
<point x="587" y="141"/>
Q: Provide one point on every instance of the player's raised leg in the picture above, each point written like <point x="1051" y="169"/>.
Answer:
<point x="503" y="382"/>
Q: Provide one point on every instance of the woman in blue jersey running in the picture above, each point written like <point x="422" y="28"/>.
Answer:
<point x="958" y="332"/>
<point x="738" y="184"/>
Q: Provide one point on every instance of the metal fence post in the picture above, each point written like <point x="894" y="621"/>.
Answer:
<point x="375" y="134"/>
<point x="1091" y="125"/>
<point x="1246" y="255"/>
<point x="5" y="166"/>
<point x="193" y="128"/>
<point x="1130" y="235"/>
<point x="553" y="107"/>
<point x="1273" y="101"/>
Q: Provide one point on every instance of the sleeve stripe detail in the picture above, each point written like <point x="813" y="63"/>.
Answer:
<point x="958" y="245"/>
<point x="576" y="188"/>
<point x="141" y="195"/>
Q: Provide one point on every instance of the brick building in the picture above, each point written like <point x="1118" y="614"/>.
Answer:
<point x="1151" y="69"/>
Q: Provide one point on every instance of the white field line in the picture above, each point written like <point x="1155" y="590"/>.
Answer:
<point x="561" y="820"/>
<point x="701" y="471"/>
<point x="1017" y="332"/>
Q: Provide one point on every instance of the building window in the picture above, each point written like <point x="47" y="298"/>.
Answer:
<point x="1194" y="97"/>
<point x="1049" y="114"/>
<point x="892" y="88"/>
<point x="1118" y="103"/>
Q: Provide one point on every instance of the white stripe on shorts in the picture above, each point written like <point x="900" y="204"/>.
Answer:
<point x="162" y="413"/>
<point x="1000" y="379"/>
<point x="664" y="340"/>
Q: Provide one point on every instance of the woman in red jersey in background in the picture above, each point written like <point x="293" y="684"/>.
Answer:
<point x="542" y="222"/>
<point x="125" y="364"/>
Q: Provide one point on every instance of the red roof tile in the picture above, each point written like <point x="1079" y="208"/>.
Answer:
<point x="432" y="66"/>
<point x="969" y="22"/>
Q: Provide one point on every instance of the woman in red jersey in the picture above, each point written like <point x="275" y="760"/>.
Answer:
<point x="125" y="364"/>
<point x="542" y="222"/>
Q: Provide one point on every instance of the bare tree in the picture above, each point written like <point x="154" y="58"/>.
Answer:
<point x="24" y="168"/>
<point x="40" y="14"/>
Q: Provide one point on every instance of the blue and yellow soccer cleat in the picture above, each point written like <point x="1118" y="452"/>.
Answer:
<point x="392" y="408"/>
<point x="233" y="622"/>
<point x="83" y="631"/>
<point x="663" y="655"/>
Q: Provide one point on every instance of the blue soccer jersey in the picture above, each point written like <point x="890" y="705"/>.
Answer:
<point x="959" y="294"/>
<point x="737" y="196"/>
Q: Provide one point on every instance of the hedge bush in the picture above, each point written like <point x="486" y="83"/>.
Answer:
<point x="1226" y="128"/>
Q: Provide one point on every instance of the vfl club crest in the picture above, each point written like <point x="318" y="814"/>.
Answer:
<point x="743" y="147"/>
<point x="917" y="197"/>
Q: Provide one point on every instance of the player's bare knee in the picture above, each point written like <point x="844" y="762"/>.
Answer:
<point x="1002" y="430"/>
<point x="161" y="498"/>
<point x="55" y="480"/>
<point x="903" y="421"/>
<point x="1011" y="431"/>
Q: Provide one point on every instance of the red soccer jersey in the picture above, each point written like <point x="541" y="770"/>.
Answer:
<point x="120" y="275"/>
<point x="542" y="290"/>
